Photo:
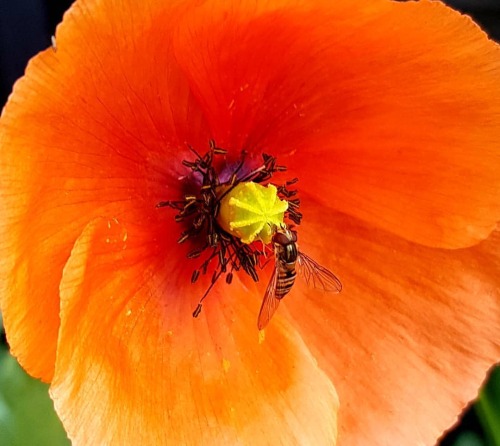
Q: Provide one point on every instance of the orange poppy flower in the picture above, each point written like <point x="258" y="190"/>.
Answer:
<point x="389" y="115"/>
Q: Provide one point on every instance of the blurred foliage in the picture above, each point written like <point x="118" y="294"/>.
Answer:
<point x="27" y="417"/>
<point x="469" y="438"/>
<point x="480" y="424"/>
<point x="488" y="408"/>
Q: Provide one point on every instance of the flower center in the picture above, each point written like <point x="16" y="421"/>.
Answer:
<point x="226" y="219"/>
<point x="250" y="211"/>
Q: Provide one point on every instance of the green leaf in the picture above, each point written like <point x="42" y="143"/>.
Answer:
<point x="488" y="408"/>
<point x="27" y="415"/>
<point x="468" y="438"/>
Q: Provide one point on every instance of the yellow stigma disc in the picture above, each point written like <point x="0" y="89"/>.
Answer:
<point x="249" y="211"/>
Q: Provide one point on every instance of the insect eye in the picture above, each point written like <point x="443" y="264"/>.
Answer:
<point x="280" y="239"/>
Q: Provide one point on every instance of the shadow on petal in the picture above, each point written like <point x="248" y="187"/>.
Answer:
<point x="134" y="367"/>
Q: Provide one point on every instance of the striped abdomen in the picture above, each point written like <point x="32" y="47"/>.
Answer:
<point x="286" y="258"/>
<point x="286" y="279"/>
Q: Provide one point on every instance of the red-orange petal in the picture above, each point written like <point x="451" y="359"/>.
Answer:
<point x="251" y="67"/>
<point x="134" y="367"/>
<point x="409" y="340"/>
<point x="91" y="130"/>
<point x="389" y="111"/>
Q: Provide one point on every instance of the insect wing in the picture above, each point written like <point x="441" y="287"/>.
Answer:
<point x="316" y="275"/>
<point x="270" y="302"/>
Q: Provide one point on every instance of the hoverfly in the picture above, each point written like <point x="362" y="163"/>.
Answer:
<point x="288" y="260"/>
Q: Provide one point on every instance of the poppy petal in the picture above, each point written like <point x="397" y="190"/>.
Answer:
<point x="410" y="338"/>
<point x="134" y="367"/>
<point x="389" y="111"/>
<point x="91" y="130"/>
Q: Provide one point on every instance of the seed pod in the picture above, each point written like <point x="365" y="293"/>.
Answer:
<point x="249" y="211"/>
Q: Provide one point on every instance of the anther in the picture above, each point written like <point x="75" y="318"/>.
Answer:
<point x="195" y="275"/>
<point x="195" y="253"/>
<point x="190" y="164"/>
<point x="198" y="221"/>
<point x="197" y="311"/>
<point x="219" y="151"/>
<point x="200" y="210"/>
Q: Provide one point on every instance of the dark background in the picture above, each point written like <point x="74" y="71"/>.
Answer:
<point x="26" y="27"/>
